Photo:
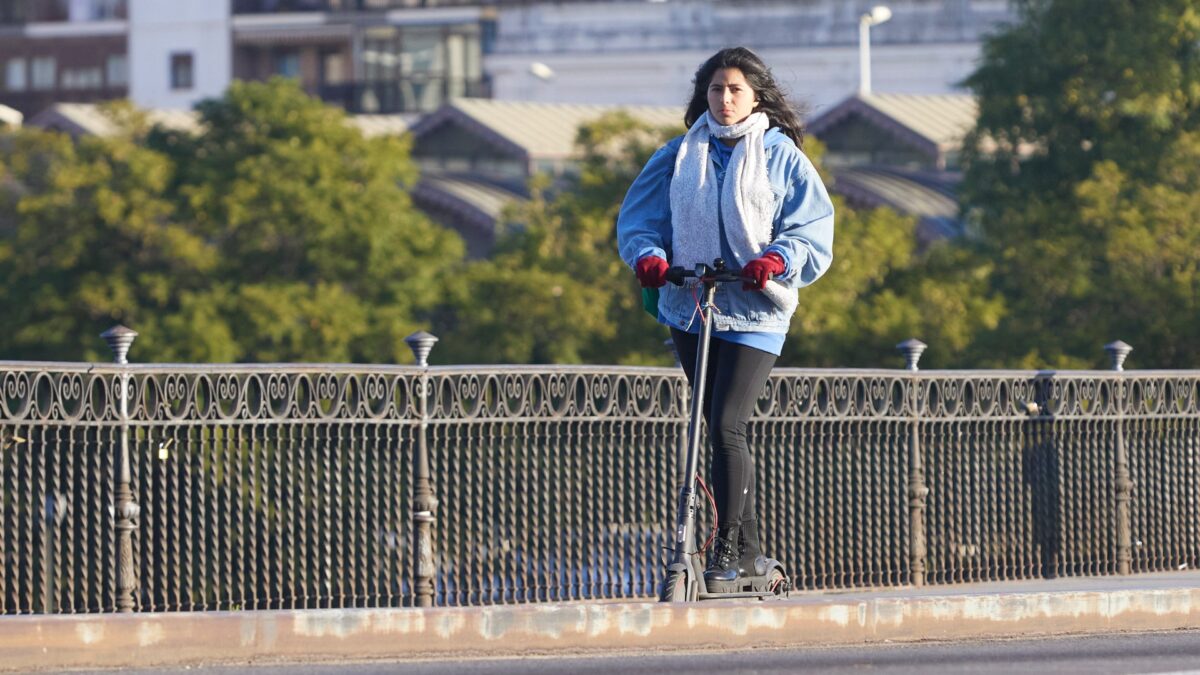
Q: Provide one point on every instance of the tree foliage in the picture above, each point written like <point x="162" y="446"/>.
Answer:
<point x="881" y="290"/>
<point x="554" y="290"/>
<point x="278" y="232"/>
<point x="1077" y="180"/>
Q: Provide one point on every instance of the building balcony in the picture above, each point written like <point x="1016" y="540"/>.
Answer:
<point x="277" y="6"/>
<point x="409" y="95"/>
<point x="280" y="6"/>
<point x="57" y="11"/>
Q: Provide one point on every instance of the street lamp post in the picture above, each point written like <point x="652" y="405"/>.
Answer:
<point x="878" y="14"/>
<point x="120" y="339"/>
<point x="424" y="505"/>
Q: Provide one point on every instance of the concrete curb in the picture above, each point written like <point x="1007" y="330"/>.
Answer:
<point x="175" y="639"/>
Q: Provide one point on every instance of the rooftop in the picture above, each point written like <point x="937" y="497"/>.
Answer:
<point x="930" y="196"/>
<point x="936" y="123"/>
<point x="539" y="130"/>
<point x="89" y="119"/>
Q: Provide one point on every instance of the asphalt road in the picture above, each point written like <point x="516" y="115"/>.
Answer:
<point x="1174" y="652"/>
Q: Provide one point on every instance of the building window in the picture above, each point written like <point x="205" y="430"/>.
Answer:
<point x="287" y="64"/>
<point x="181" y="70"/>
<point x="44" y="73"/>
<point x="82" y="78"/>
<point x="56" y="10"/>
<point x="109" y="9"/>
<point x="14" y="75"/>
<point x="422" y="51"/>
<point x="334" y="68"/>
<point x="117" y="71"/>
<point x="12" y="11"/>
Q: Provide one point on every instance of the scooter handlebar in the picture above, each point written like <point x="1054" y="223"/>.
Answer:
<point x="717" y="272"/>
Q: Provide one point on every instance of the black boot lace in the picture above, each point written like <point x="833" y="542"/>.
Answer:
<point x="725" y="554"/>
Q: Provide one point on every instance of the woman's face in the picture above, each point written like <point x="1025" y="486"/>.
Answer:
<point x="730" y="98"/>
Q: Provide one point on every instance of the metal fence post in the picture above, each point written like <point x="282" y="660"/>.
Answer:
<point x="1117" y="351"/>
<point x="912" y="349"/>
<point x="119" y="339"/>
<point x="424" y="503"/>
<point x="52" y="516"/>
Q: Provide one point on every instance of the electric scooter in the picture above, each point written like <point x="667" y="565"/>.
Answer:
<point x="684" y="580"/>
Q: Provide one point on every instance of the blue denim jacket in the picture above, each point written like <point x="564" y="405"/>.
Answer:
<point x="803" y="235"/>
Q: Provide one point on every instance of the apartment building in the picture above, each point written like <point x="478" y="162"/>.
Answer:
<point x="410" y="56"/>
<point x="62" y="50"/>
<point x="368" y="56"/>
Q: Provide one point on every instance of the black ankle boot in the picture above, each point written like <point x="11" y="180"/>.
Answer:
<point x="723" y="561"/>
<point x="751" y="561"/>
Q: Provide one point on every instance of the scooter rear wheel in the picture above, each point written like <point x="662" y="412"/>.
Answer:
<point x="674" y="588"/>
<point x="777" y="583"/>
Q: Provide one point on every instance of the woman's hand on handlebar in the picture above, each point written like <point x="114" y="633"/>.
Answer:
<point x="759" y="271"/>
<point x="651" y="271"/>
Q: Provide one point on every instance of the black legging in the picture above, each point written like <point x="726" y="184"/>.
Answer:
<point x="736" y="376"/>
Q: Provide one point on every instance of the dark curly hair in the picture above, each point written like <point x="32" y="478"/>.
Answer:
<point x="771" y="99"/>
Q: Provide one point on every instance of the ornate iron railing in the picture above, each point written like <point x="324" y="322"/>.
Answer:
<point x="298" y="486"/>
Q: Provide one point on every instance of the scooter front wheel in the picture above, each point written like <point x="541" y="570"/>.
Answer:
<point x="675" y="588"/>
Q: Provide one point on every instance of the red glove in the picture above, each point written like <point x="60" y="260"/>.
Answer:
<point x="652" y="271"/>
<point x="760" y="270"/>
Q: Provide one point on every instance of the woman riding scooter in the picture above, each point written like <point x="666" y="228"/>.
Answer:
<point x="737" y="187"/>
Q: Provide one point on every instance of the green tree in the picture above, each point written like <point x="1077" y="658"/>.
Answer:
<point x="1077" y="97"/>
<point x="88" y="235"/>
<point x="314" y="223"/>
<point x="1150" y="235"/>
<point x="881" y="290"/>
<point x="554" y="290"/>
<point x="276" y="232"/>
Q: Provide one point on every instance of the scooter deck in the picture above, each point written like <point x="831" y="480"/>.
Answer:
<point x="768" y="584"/>
<point x="733" y="596"/>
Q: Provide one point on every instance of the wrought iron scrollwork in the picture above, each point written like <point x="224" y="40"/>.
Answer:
<point x="293" y="485"/>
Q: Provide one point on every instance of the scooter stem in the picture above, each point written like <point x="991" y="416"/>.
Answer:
<point x="698" y="381"/>
<point x="686" y="521"/>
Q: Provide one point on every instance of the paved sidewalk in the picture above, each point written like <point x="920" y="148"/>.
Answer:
<point x="1162" y="601"/>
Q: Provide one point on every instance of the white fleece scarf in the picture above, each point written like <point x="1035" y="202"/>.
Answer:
<point x="746" y="202"/>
